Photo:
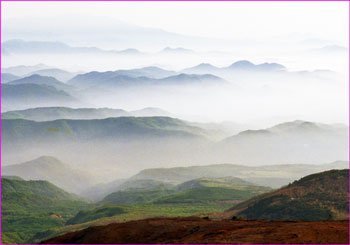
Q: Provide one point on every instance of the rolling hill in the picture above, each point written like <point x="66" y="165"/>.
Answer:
<point x="241" y="66"/>
<point x="290" y="142"/>
<point x="269" y="175"/>
<point x="51" y="169"/>
<point x="55" y="113"/>
<point x="225" y="182"/>
<point x="21" y="96"/>
<point x="320" y="196"/>
<point x="19" y="130"/>
<point x="8" y="77"/>
<point x="58" y="74"/>
<point x="24" y="70"/>
<point x="32" y="206"/>
<point x="192" y="230"/>
<point x="118" y="79"/>
<point x="42" y="80"/>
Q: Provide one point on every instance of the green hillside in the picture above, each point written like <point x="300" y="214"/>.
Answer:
<point x="32" y="206"/>
<point x="225" y="182"/>
<point x="133" y="197"/>
<point x="132" y="212"/>
<point x="320" y="196"/>
<point x="274" y="176"/>
<point x="19" y="130"/>
<point x="55" y="113"/>
<point x="213" y="194"/>
<point x="93" y="214"/>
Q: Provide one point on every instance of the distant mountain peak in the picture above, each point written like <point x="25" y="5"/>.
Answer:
<point x="176" y="50"/>
<point x="242" y="64"/>
<point x="247" y="65"/>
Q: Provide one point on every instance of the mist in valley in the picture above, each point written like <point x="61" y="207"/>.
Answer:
<point x="113" y="97"/>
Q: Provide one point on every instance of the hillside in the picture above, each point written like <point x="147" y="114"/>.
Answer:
<point x="193" y="230"/>
<point x="32" y="206"/>
<point x="42" y="80"/>
<point x="34" y="187"/>
<point x="118" y="79"/>
<point x="269" y="175"/>
<point x="59" y="74"/>
<point x="122" y="127"/>
<point x="8" y="77"/>
<point x="320" y="196"/>
<point x="225" y="182"/>
<point x="20" y="96"/>
<point x="138" y="191"/>
<point x="291" y="142"/>
<point x="55" y="113"/>
<point x="130" y="197"/>
<point x="53" y="170"/>
<point x="213" y="194"/>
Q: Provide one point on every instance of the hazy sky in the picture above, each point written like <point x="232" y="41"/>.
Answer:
<point x="326" y="20"/>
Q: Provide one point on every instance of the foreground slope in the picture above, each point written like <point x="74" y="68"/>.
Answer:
<point x="196" y="230"/>
<point x="320" y="196"/>
<point x="32" y="206"/>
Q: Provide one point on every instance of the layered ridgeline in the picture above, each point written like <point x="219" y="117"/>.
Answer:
<point x="42" y="80"/>
<point x="200" y="190"/>
<point x="8" y="77"/>
<point x="115" y="80"/>
<point x="32" y="206"/>
<point x="53" y="170"/>
<point x="267" y="175"/>
<point x="320" y="196"/>
<point x="138" y="199"/>
<point x="290" y="142"/>
<point x="19" y="130"/>
<point x="127" y="144"/>
<point x="26" y="95"/>
<point x="55" y="113"/>
<point x="153" y="141"/>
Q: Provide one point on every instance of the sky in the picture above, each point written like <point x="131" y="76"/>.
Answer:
<point x="230" y="20"/>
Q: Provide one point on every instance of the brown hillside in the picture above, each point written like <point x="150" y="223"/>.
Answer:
<point x="198" y="230"/>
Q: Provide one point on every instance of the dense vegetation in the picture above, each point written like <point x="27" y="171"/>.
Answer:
<point x="135" y="212"/>
<point x="32" y="206"/>
<point x="133" y="197"/>
<point x="210" y="194"/>
<point x="100" y="212"/>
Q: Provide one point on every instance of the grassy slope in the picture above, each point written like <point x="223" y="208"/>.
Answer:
<point x="139" y="211"/>
<point x="200" y="200"/>
<point x="319" y="196"/>
<point x="27" y="207"/>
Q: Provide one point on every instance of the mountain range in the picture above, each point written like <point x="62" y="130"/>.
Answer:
<point x="297" y="141"/>
<point x="42" y="80"/>
<point x="150" y="141"/>
<point x="26" y="95"/>
<point x="55" y="113"/>
<point x="115" y="80"/>
<point x="322" y="196"/>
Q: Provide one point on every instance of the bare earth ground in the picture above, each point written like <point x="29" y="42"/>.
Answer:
<point x="199" y="230"/>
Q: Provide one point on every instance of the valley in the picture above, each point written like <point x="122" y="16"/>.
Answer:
<point x="176" y="122"/>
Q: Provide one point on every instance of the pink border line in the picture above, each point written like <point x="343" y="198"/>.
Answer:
<point x="161" y="1"/>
